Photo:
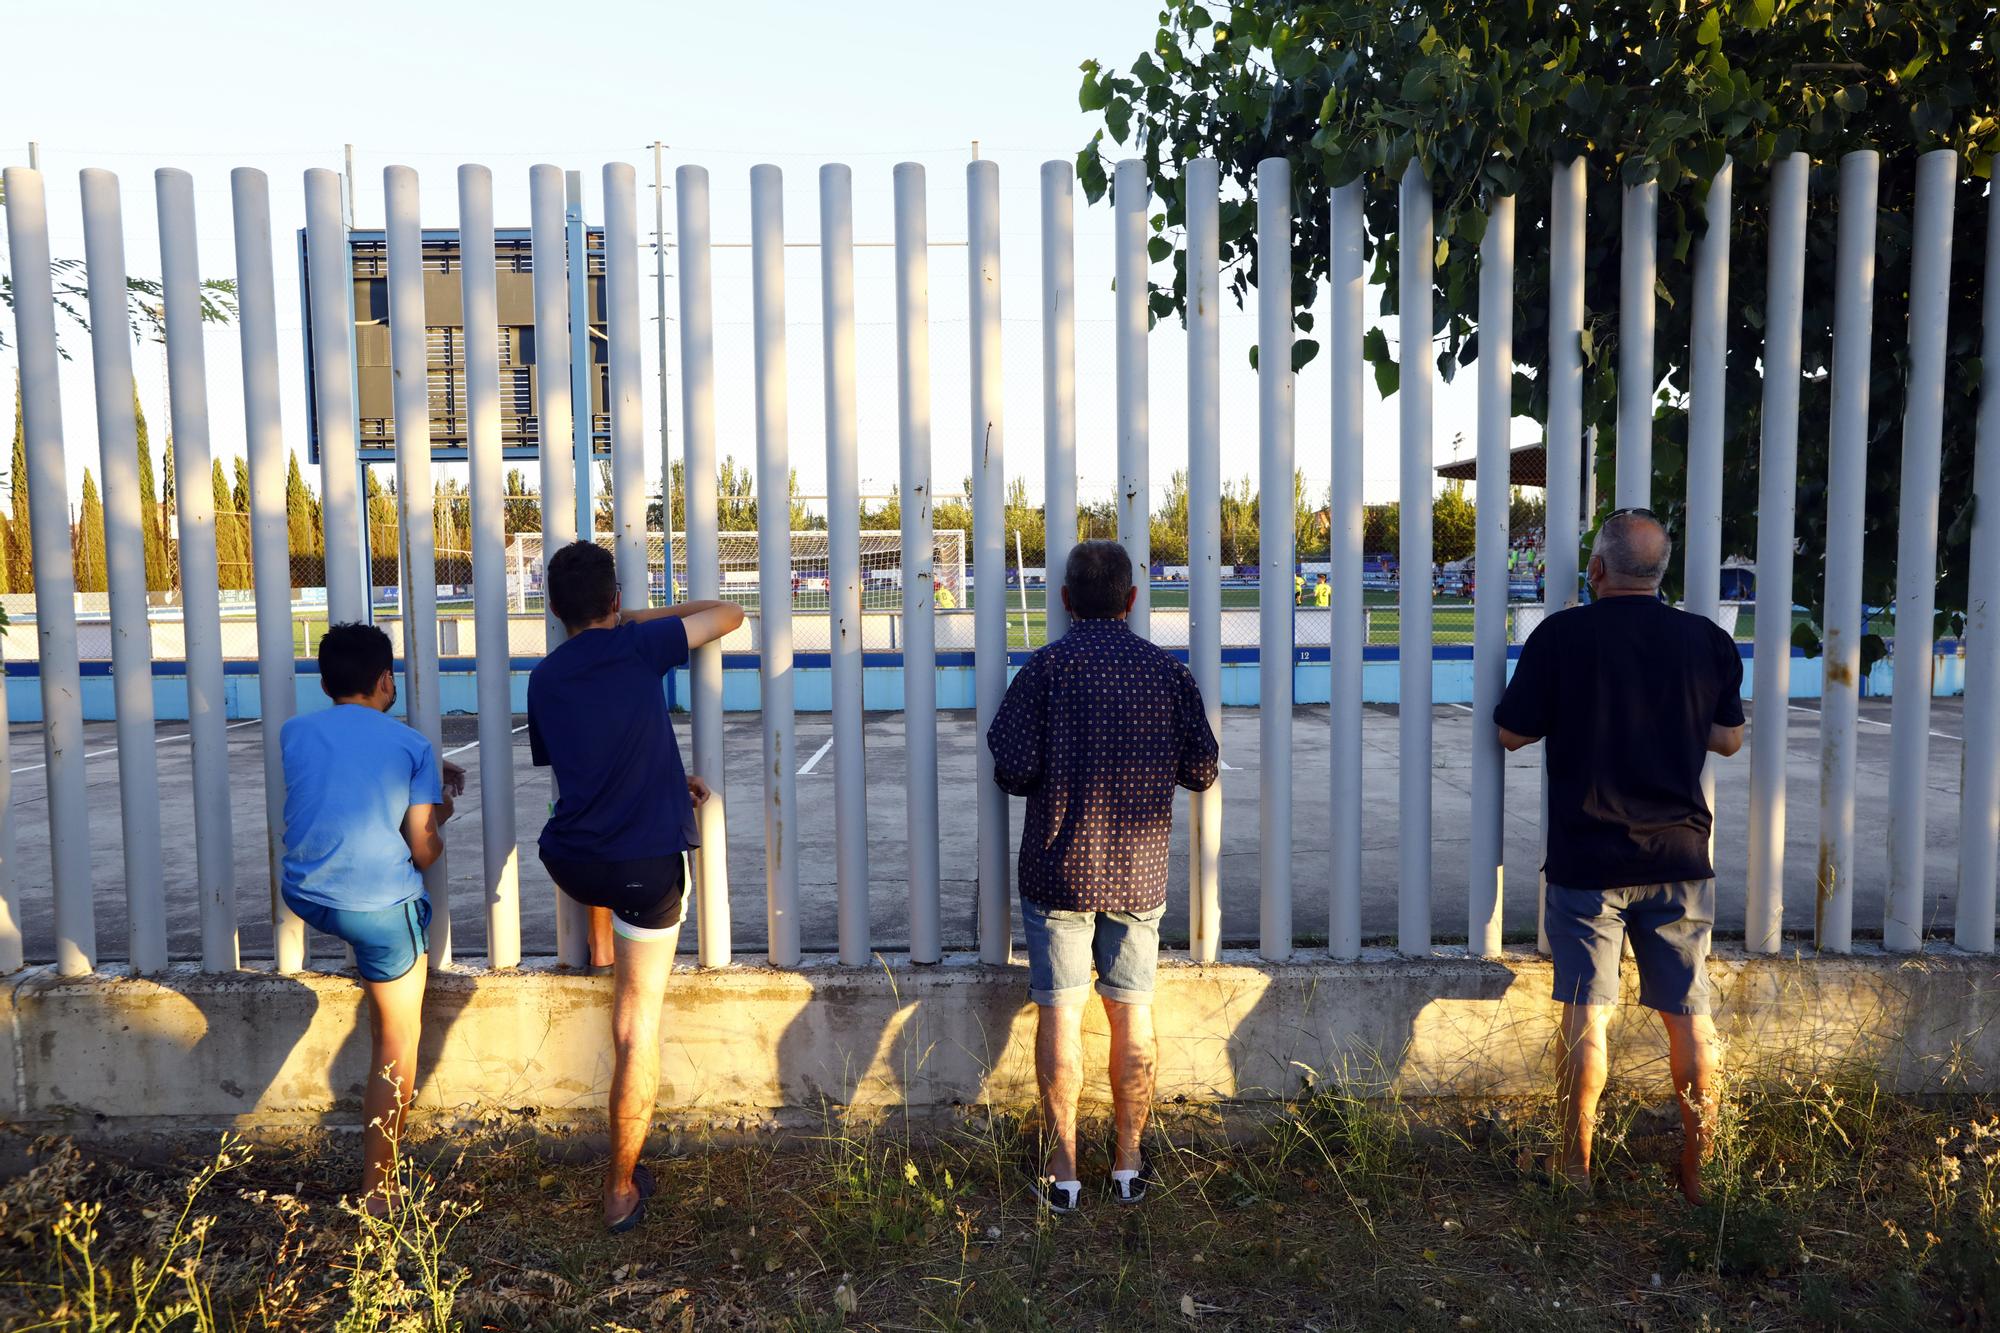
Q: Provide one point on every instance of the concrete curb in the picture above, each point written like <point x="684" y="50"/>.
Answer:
<point x="744" y="1045"/>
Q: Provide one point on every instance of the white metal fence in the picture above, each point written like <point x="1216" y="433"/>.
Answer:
<point x="333" y="353"/>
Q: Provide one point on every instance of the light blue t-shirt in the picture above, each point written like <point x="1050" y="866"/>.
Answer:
<point x="351" y="774"/>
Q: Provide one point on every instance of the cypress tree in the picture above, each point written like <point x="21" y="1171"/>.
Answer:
<point x="240" y="493"/>
<point x="90" y="557"/>
<point x="20" y="552"/>
<point x="152" y="525"/>
<point x="231" y="559"/>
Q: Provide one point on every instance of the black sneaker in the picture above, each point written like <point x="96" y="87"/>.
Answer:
<point x="1130" y="1188"/>
<point x="1061" y="1197"/>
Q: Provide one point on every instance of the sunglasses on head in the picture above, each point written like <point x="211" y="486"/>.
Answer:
<point x="1640" y="510"/>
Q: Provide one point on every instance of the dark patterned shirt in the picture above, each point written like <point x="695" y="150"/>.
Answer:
<point x="1096" y="731"/>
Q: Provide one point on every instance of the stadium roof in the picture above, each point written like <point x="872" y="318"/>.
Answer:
<point x="1527" y="466"/>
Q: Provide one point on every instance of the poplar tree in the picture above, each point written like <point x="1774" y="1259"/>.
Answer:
<point x="90" y="567"/>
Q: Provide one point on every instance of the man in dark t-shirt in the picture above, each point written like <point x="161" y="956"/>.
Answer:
<point x="1631" y="697"/>
<point x="624" y="814"/>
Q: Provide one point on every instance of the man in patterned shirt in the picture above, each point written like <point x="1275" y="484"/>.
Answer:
<point x="1096" y="731"/>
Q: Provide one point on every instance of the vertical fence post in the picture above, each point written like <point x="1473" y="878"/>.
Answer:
<point x="628" y="424"/>
<point x="1275" y="537"/>
<point x="989" y="552"/>
<point x="774" y="574"/>
<point x="1777" y="504"/>
<point x="1130" y="195"/>
<point x="843" y="538"/>
<point x="583" y="421"/>
<point x="1058" y="386"/>
<point x="10" y="898"/>
<point x="1637" y="266"/>
<point x="1916" y="549"/>
<point x="500" y="851"/>
<point x="330" y="276"/>
<point x="1486" y="845"/>
<point x="1708" y="355"/>
<point x="1413" y="645"/>
<point x="1979" y="787"/>
<point x="409" y="359"/>
<point x="1204" y="348"/>
<point x="125" y="568"/>
<point x="1347" y="629"/>
<point x="554" y="419"/>
<point x="55" y="578"/>
<point x="270" y="534"/>
<point x="1565" y="447"/>
<point x="1846" y="505"/>
<point x="201" y="608"/>
<point x="711" y="863"/>
<point x="913" y="433"/>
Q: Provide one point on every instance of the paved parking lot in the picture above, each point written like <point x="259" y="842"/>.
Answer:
<point x="1451" y="779"/>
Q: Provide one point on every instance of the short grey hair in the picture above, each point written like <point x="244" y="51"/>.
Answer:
<point x="1098" y="575"/>
<point x="1634" y="547"/>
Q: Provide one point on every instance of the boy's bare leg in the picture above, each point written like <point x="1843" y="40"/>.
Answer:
<point x="1583" y="1064"/>
<point x="1059" y="1072"/>
<point x="1134" y="1056"/>
<point x="1691" y="1056"/>
<point x="640" y="988"/>
<point x="602" y="952"/>
<point x="395" y="1021"/>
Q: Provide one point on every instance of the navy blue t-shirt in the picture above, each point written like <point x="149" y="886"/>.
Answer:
<point x="598" y="716"/>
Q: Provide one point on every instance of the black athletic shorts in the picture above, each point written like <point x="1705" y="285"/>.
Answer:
<point x="647" y="898"/>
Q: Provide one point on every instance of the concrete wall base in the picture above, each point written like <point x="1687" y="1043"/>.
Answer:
<point x="746" y="1046"/>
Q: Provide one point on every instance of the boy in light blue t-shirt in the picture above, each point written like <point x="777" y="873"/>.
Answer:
<point x="364" y="802"/>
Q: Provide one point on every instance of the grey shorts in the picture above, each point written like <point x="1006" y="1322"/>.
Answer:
<point x="1062" y="947"/>
<point x="1669" y="925"/>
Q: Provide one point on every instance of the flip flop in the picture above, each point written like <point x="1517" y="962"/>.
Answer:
<point x="642" y="1179"/>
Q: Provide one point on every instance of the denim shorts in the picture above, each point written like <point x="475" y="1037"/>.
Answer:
<point x="1669" y="925"/>
<point x="387" y="942"/>
<point x="1062" y="946"/>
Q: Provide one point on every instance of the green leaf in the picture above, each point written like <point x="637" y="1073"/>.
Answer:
<point x="1757" y="14"/>
<point x="1095" y="93"/>
<point x="1158" y="248"/>
<point x="1443" y="251"/>
<point x="1710" y="31"/>
<point x="1328" y="105"/>
<point x="1303" y="350"/>
<point x="1388" y="378"/>
<point x="1118" y="119"/>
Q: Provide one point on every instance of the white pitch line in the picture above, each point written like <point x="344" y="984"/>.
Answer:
<point x="1226" y="766"/>
<point x="1871" y="722"/>
<point x="475" y="744"/>
<point x="158" y="740"/>
<point x="818" y="755"/>
<point x="1467" y="707"/>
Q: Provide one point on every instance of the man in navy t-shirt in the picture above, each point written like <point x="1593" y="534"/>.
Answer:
<point x="624" y="813"/>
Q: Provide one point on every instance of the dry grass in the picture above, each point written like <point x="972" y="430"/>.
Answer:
<point x="1833" y="1206"/>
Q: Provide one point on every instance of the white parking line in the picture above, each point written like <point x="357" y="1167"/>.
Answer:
<point x="158" y="740"/>
<point x="1467" y="707"/>
<point x="1226" y="766"/>
<point x="475" y="744"/>
<point x="1871" y="722"/>
<point x="818" y="755"/>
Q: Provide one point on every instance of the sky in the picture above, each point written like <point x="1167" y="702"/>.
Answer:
<point x="215" y="84"/>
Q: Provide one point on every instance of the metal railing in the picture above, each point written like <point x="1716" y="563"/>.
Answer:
<point x="332" y="345"/>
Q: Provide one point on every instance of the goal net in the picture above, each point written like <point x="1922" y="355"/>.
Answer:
<point x="881" y="568"/>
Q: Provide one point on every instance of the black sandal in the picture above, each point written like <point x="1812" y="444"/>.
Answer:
<point x="1060" y="1197"/>
<point x="642" y="1180"/>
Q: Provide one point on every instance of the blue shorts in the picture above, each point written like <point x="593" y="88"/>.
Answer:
<point x="387" y="942"/>
<point x="1062" y="946"/>
<point x="1669" y="926"/>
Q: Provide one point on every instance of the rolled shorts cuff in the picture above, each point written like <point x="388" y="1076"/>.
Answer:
<point x="1067" y="997"/>
<point x="1125" y="994"/>
<point x="647" y="934"/>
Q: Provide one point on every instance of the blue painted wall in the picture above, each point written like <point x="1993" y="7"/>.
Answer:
<point x="882" y="682"/>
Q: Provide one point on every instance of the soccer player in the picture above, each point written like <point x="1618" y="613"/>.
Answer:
<point x="364" y="805"/>
<point x="624" y="814"/>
